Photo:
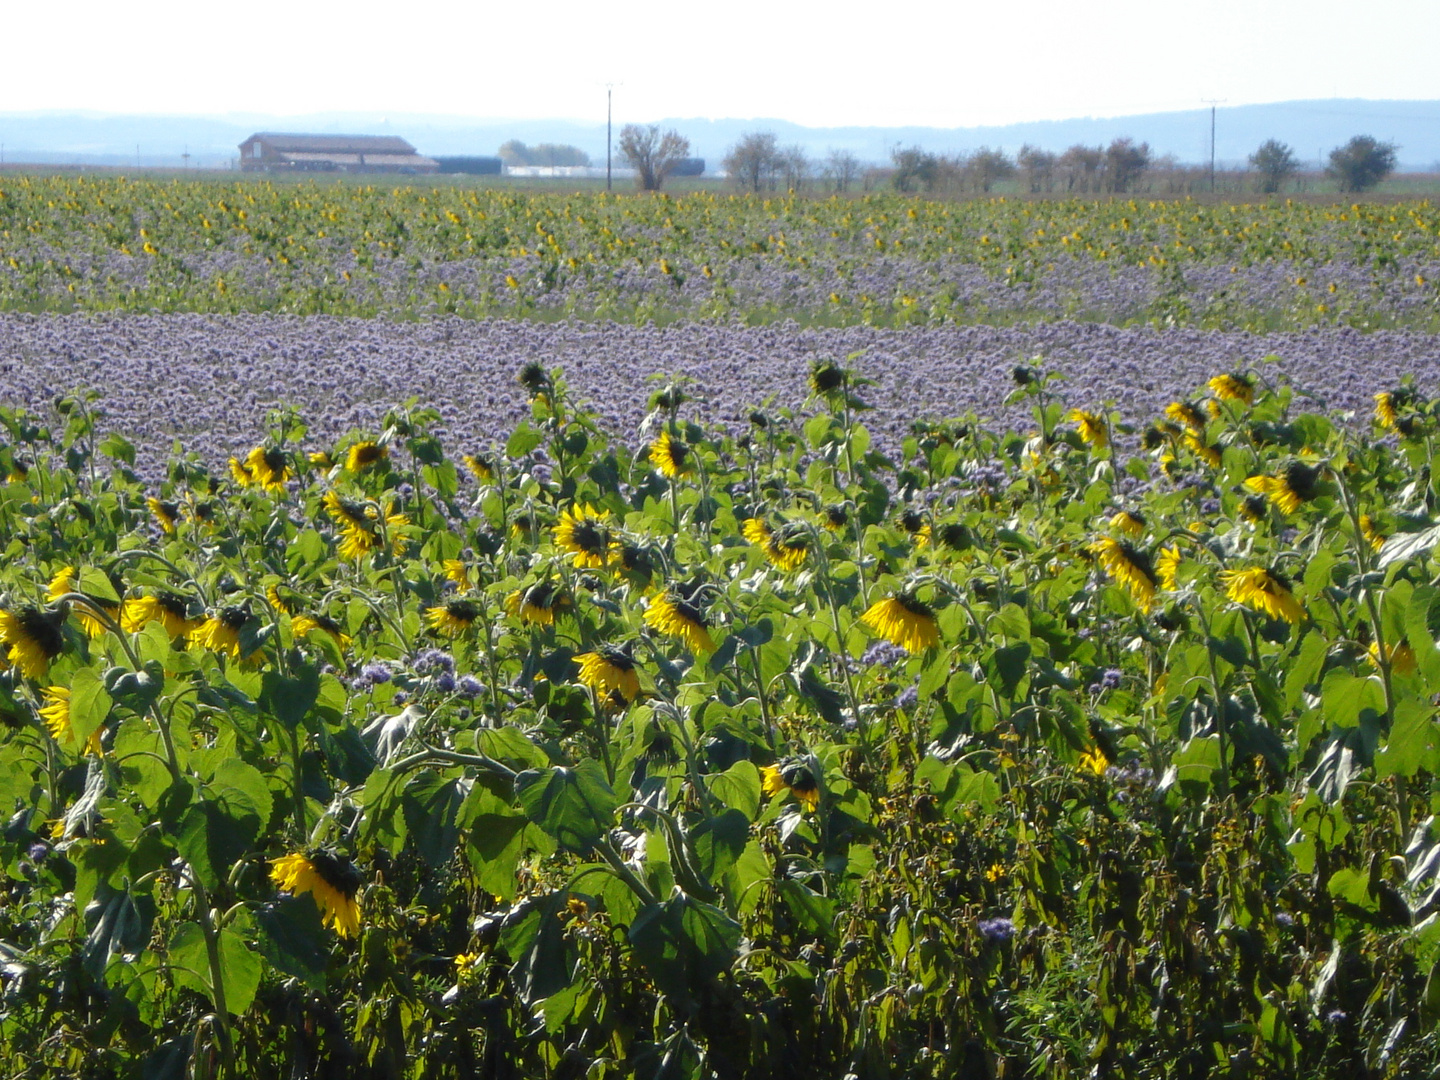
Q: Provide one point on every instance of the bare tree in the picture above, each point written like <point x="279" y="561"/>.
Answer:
<point x="985" y="166"/>
<point x="753" y="161"/>
<point x="841" y="169"/>
<point x="1125" y="163"/>
<point x="915" y="169"/>
<point x="1037" y="168"/>
<point x="793" y="168"/>
<point x="652" y="153"/>
<point x="1080" y="167"/>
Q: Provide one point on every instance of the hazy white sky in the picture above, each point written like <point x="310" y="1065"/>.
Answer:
<point x="943" y="64"/>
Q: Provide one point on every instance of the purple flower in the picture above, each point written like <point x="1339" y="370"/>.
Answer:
<point x="1111" y="679"/>
<point x="997" y="930"/>
<point x="445" y="682"/>
<point x="469" y="687"/>
<point x="376" y="673"/>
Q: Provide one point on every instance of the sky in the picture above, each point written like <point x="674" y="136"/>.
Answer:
<point x="941" y="64"/>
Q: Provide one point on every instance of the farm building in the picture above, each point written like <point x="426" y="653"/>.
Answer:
<point x="278" y="152"/>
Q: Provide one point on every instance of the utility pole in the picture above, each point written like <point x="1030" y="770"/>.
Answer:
<point x="609" y="96"/>
<point x="1212" y="102"/>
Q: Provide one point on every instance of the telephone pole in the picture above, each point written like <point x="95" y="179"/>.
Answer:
<point x="609" y="99"/>
<point x="1212" y="102"/>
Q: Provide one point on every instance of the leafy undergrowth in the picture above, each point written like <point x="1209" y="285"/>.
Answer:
<point x="740" y="757"/>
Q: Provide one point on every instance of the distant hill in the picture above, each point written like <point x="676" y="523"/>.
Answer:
<point x="1312" y="128"/>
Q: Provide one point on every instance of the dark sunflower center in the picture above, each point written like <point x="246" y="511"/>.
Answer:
<point x="914" y="605"/>
<point x="616" y="658"/>
<point x="798" y="778"/>
<point x="324" y="622"/>
<point x="911" y="522"/>
<point x="826" y="377"/>
<point x="173" y="603"/>
<point x="689" y="612"/>
<point x="588" y="537"/>
<point x="336" y="871"/>
<point x="541" y="595"/>
<point x="275" y="461"/>
<point x="367" y="453"/>
<point x="43" y="628"/>
<point x="463" y="610"/>
<point x="1300" y="478"/>
<point x="234" y="617"/>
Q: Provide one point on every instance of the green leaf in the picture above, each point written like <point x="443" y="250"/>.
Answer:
<point x="95" y="582"/>
<point x="1404" y="546"/>
<point x="575" y="806"/>
<point x="89" y="704"/>
<point x="1344" y="696"/>
<point x="240" y="968"/>
<point x="290" y="698"/>
<point x="292" y="939"/>
<point x="738" y="787"/>
<point x="684" y="944"/>
<point x="522" y="440"/>
<point x="432" y="806"/>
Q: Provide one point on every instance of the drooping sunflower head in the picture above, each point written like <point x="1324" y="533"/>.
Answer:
<point x="788" y="545"/>
<point x="1253" y="508"/>
<point x="170" y="609"/>
<point x="584" y="532"/>
<point x="1236" y="386"/>
<point x="453" y="617"/>
<point x="1389" y="403"/>
<point x="826" y="377"/>
<point x="1206" y="452"/>
<point x="904" y="620"/>
<point x="268" y="468"/>
<point x="1154" y="438"/>
<point x="609" y="669"/>
<point x="1023" y="374"/>
<point x="633" y="562"/>
<point x="221" y="631"/>
<point x="306" y="624"/>
<point x="1130" y="566"/>
<point x="30" y="638"/>
<point x="835" y="518"/>
<point x="1265" y="590"/>
<point x="1129" y="522"/>
<point x="1167" y="567"/>
<point x="534" y="378"/>
<point x="672" y="456"/>
<point x="536" y="604"/>
<point x="912" y="521"/>
<point x="1188" y="414"/>
<point x="330" y="879"/>
<point x="364" y="454"/>
<point x="1090" y="427"/>
<point x="1296" y="484"/>
<point x="166" y="514"/>
<point x="795" y="776"/>
<point x="670" y="613"/>
<point x="481" y="467"/>
<point x="1371" y="530"/>
<point x="956" y="536"/>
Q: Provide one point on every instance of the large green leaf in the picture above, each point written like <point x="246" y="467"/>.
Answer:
<point x="684" y="944"/>
<point x="575" y="806"/>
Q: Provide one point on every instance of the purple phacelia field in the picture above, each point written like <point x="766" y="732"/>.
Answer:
<point x="207" y="381"/>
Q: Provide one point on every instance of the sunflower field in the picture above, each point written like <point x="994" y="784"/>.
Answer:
<point x="1078" y="749"/>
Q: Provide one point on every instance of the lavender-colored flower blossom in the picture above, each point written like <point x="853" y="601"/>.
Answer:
<point x="376" y="673"/>
<point x="445" y="682"/>
<point x="469" y="687"/>
<point x="1110" y="680"/>
<point x="997" y="930"/>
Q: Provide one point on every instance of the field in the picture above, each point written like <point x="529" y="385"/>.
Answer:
<point x="452" y="633"/>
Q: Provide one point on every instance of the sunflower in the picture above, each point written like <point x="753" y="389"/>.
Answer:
<point x="1402" y="657"/>
<point x="364" y="454"/>
<point x="31" y="638"/>
<point x="268" y="468"/>
<point x="835" y="518"/>
<point x="1288" y="489"/>
<point x="1130" y="566"/>
<point x="534" y="378"/>
<point x="304" y="624"/>
<point x="1388" y="404"/>
<point x="1252" y="509"/>
<point x="321" y="459"/>
<point x="1263" y="590"/>
<point x="453" y="617"/>
<point x="332" y="882"/>
<point x="221" y="632"/>
<point x="169" y="609"/>
<point x="1372" y="534"/>
<point x="826" y="377"/>
<point x="56" y="712"/>
<point x="670" y="614"/>
<point x="792" y="775"/>
<point x="480" y="466"/>
<point x="524" y="526"/>
<point x="903" y="620"/>
<point x="1203" y="450"/>
<point x="455" y="570"/>
<point x="672" y="456"/>
<point x="1182" y="412"/>
<point x="240" y="473"/>
<point x="284" y="599"/>
<point x="63" y="583"/>
<point x="1167" y="566"/>
<point x="1234" y="387"/>
<point x="914" y="523"/>
<point x="359" y="525"/>
<point x="166" y="514"/>
<point x="608" y="670"/>
<point x="1094" y="761"/>
<point x="584" y="532"/>
<point x="1091" y="428"/>
<point x="785" y="548"/>
<point x="1129" y="522"/>
<point x="634" y="562"/>
<point x="536" y="605"/>
<point x="955" y="536"/>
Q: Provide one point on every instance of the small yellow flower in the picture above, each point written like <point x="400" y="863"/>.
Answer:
<point x="996" y="872"/>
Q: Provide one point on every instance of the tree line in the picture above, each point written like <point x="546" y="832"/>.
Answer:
<point x="758" y="163"/>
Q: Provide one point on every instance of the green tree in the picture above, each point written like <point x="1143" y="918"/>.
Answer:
<point x="1275" y="163"/>
<point x="652" y="153"/>
<point x="915" y="169"/>
<point x="1361" y="163"/>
